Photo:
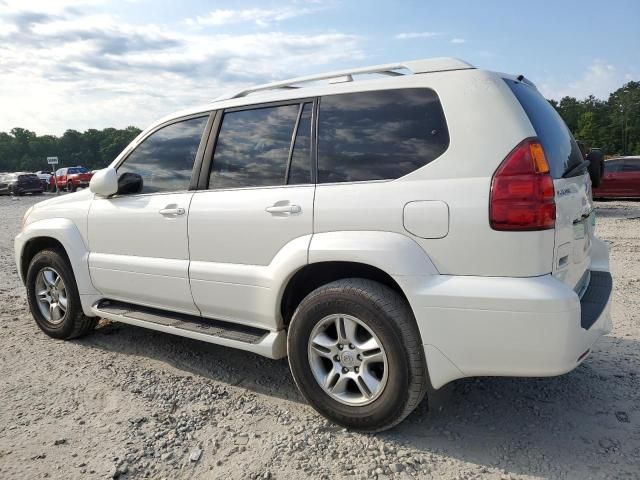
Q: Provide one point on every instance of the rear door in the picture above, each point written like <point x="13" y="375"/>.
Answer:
<point x="257" y="200"/>
<point x="610" y="185"/>
<point x="574" y="203"/>
<point x="630" y="177"/>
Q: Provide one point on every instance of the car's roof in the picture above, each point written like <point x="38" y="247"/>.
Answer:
<point x="324" y="83"/>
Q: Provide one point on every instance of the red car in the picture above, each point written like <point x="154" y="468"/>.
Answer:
<point x="70" y="178"/>
<point x="621" y="179"/>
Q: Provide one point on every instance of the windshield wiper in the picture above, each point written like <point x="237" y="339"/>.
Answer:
<point x="581" y="167"/>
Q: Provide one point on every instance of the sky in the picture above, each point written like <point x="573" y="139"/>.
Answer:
<point x="113" y="63"/>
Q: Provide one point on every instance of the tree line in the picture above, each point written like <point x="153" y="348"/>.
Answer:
<point x="23" y="150"/>
<point x="612" y="125"/>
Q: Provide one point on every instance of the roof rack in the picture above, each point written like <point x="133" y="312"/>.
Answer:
<point x="428" y="65"/>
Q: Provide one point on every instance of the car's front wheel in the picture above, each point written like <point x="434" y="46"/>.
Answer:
<point x="53" y="296"/>
<point x="355" y="354"/>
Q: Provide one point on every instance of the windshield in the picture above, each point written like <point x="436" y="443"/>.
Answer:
<point x="560" y="148"/>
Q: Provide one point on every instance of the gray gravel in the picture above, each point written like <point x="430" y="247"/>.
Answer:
<point x="130" y="403"/>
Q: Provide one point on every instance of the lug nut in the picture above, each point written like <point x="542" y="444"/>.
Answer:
<point x="357" y="369"/>
<point x="340" y="346"/>
<point x="337" y="358"/>
<point x="359" y="357"/>
<point x="345" y="369"/>
<point x="351" y="346"/>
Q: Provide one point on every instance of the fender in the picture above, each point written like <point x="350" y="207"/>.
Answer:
<point x="66" y="232"/>
<point x="393" y="253"/>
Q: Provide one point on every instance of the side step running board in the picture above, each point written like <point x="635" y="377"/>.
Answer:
<point x="263" y="342"/>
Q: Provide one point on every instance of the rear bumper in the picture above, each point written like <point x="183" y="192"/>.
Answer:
<point x="492" y="326"/>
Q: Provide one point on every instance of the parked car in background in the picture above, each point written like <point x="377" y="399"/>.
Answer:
<point x="71" y="178"/>
<point x="621" y="179"/>
<point x="45" y="178"/>
<point x="20" y="183"/>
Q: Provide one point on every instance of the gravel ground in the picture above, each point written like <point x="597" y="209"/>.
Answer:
<point x="132" y="403"/>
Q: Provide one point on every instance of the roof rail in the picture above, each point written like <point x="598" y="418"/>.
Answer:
<point x="427" y="65"/>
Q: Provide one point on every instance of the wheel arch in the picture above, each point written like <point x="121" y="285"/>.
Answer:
<point x="314" y="275"/>
<point x="35" y="245"/>
<point x="58" y="233"/>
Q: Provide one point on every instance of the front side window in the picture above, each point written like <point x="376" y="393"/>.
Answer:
<point x="165" y="158"/>
<point x="253" y="147"/>
<point x="379" y="135"/>
<point x="612" y="166"/>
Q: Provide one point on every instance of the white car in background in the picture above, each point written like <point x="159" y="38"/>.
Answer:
<point x="390" y="230"/>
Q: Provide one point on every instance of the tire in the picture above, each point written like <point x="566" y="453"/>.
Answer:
<point x="71" y="187"/>
<point x="596" y="167"/>
<point x="385" y="316"/>
<point x="63" y="324"/>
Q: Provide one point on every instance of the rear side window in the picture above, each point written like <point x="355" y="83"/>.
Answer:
<point x="631" y="165"/>
<point x="165" y="158"/>
<point x="379" y="135"/>
<point x="253" y="147"/>
<point x="560" y="148"/>
<point x="300" y="170"/>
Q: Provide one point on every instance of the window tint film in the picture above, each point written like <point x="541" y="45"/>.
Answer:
<point x="612" y="166"/>
<point x="631" y="165"/>
<point x="300" y="170"/>
<point x="165" y="159"/>
<point x="560" y="148"/>
<point x="253" y="147"/>
<point x="379" y="135"/>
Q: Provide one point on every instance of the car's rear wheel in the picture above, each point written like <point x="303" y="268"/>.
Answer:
<point x="53" y="297"/>
<point x="71" y="187"/>
<point x="356" y="355"/>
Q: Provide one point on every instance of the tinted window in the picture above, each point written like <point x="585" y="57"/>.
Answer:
<point x="76" y="170"/>
<point x="379" y="135"/>
<point x="612" y="166"/>
<point x="253" y="147"/>
<point x="631" y="165"/>
<point x="560" y="148"/>
<point x="300" y="170"/>
<point x="165" y="159"/>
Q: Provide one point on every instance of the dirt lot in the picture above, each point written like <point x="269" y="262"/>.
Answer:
<point x="130" y="403"/>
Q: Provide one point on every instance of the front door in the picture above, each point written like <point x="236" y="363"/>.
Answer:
<point x="138" y="242"/>
<point x="258" y="203"/>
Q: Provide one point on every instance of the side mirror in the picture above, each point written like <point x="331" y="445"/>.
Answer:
<point x="104" y="182"/>
<point x="129" y="183"/>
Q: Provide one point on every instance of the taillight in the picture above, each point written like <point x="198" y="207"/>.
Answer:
<point x="522" y="194"/>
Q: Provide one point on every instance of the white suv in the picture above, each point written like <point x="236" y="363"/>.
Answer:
<point x="390" y="229"/>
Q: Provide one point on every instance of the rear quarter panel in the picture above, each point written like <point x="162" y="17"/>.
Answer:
<point x="485" y="123"/>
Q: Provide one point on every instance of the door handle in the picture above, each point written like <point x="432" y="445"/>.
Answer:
<point x="284" y="209"/>
<point x="172" y="211"/>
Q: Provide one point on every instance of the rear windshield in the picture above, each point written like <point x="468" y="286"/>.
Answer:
<point x="77" y="170"/>
<point x="560" y="148"/>
<point x="28" y="176"/>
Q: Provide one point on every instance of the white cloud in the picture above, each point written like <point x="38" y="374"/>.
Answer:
<point x="458" y="40"/>
<point x="260" y="16"/>
<point x="411" y="35"/>
<point x="71" y="69"/>
<point x="599" y="79"/>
